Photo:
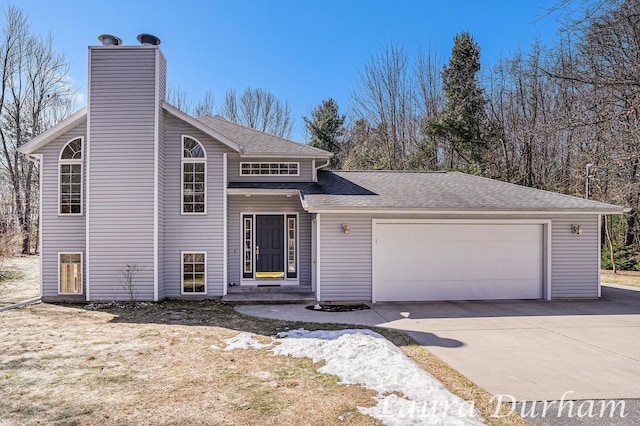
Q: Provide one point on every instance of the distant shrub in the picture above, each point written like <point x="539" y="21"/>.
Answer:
<point x="626" y="258"/>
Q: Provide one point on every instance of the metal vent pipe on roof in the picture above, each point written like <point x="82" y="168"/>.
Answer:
<point x="148" y="39"/>
<point x="109" y="40"/>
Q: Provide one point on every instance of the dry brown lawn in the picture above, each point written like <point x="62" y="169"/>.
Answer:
<point x="154" y="365"/>
<point x="19" y="279"/>
<point x="630" y="278"/>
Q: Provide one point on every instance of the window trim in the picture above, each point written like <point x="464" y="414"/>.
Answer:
<point x="206" y="275"/>
<point x="192" y="160"/>
<point x="242" y="163"/>
<point x="62" y="162"/>
<point x="81" y="292"/>
<point x="247" y="274"/>
<point x="296" y="241"/>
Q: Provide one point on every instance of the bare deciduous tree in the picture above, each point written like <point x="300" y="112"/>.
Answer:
<point x="259" y="109"/>
<point x="179" y="98"/>
<point x="384" y="96"/>
<point x="205" y="106"/>
<point x="34" y="95"/>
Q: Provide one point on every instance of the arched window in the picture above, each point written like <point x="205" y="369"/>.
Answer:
<point x="70" y="184"/>
<point x="194" y="177"/>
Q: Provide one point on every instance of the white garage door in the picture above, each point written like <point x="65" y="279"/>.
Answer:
<point x="457" y="261"/>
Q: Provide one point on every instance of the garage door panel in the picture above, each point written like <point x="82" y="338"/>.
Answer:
<point x="422" y="261"/>
<point x="466" y="290"/>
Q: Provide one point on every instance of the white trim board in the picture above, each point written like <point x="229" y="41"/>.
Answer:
<point x="156" y="181"/>
<point x="318" y="264"/>
<point x="225" y="228"/>
<point x="390" y="212"/>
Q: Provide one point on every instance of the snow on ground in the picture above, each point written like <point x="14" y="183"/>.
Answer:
<point x="366" y="358"/>
<point x="407" y="395"/>
<point x="243" y="341"/>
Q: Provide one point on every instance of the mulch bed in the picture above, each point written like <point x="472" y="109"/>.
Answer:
<point x="337" y="308"/>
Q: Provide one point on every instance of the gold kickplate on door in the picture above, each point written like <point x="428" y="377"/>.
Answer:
<point x="271" y="275"/>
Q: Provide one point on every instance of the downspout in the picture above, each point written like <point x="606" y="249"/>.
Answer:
<point x="315" y="169"/>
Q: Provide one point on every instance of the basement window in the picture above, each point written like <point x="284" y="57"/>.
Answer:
<point x="194" y="265"/>
<point x="70" y="278"/>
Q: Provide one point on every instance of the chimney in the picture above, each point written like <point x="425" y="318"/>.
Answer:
<point x="109" y="40"/>
<point x="148" y="39"/>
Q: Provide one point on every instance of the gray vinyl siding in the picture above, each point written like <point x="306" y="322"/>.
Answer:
<point x="346" y="265"/>
<point x="59" y="233"/>
<point x="192" y="233"/>
<point x="575" y="272"/>
<point x="122" y="108"/>
<point x="345" y="260"/>
<point x="267" y="204"/>
<point x="305" y="169"/>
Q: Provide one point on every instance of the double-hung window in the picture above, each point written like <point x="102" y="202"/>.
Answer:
<point x="194" y="278"/>
<point x="70" y="180"/>
<point x="194" y="177"/>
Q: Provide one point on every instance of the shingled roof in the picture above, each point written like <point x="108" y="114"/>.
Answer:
<point x="259" y="143"/>
<point x="428" y="191"/>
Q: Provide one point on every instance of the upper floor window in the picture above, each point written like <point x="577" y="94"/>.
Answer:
<point x="291" y="169"/>
<point x="70" y="184"/>
<point x="194" y="177"/>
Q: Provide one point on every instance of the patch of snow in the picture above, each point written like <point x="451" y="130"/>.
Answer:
<point x="215" y="347"/>
<point x="301" y="333"/>
<point x="366" y="358"/>
<point x="244" y="341"/>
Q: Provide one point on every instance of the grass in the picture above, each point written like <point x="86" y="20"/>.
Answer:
<point x="19" y="279"/>
<point x="65" y="365"/>
<point x="630" y="278"/>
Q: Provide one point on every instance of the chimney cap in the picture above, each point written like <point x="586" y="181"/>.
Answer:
<point x="109" y="40"/>
<point x="148" y="39"/>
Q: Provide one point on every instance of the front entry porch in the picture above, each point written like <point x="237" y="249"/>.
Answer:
<point x="269" y="250"/>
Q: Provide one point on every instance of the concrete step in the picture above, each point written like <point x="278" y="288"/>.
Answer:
<point x="269" y="289"/>
<point x="253" y="298"/>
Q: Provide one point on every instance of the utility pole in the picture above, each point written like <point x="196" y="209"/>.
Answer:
<point x="588" y="178"/>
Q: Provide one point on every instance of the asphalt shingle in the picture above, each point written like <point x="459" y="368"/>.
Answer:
<point x="257" y="142"/>
<point x="437" y="191"/>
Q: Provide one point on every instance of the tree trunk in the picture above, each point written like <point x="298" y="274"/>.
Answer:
<point x="613" y="262"/>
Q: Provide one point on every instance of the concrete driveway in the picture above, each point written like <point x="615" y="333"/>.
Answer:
<point x="532" y="350"/>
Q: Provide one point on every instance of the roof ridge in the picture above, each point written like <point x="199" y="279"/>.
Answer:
<point x="264" y="132"/>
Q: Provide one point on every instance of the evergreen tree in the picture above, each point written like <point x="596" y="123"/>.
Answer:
<point x="463" y="120"/>
<point x="326" y="126"/>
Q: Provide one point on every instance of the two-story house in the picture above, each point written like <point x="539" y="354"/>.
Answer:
<point x="205" y="207"/>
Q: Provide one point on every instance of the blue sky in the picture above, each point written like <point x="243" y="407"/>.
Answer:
<point x="301" y="51"/>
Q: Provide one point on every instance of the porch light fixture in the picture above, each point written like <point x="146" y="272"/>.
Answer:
<point x="345" y="228"/>
<point x="576" y="229"/>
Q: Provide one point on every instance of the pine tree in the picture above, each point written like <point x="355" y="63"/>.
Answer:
<point x="326" y="126"/>
<point x="463" y="120"/>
